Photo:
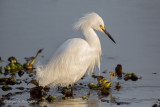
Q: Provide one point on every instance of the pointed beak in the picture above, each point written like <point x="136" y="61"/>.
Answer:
<point x="105" y="31"/>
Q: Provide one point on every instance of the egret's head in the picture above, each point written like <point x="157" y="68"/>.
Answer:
<point x="94" y="21"/>
<point x="105" y="31"/>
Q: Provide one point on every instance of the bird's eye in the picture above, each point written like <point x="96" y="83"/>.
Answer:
<point x="101" y="27"/>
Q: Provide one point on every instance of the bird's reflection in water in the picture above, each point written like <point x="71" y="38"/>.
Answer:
<point x="73" y="102"/>
<point x="69" y="102"/>
<point x="94" y="102"/>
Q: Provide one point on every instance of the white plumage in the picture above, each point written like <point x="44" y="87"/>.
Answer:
<point x="75" y="56"/>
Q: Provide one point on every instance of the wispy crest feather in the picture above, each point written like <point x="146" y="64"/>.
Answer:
<point x="86" y="20"/>
<point x="75" y="56"/>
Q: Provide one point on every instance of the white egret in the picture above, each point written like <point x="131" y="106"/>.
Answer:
<point x="75" y="56"/>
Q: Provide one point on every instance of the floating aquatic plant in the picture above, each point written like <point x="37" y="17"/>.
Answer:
<point x="131" y="76"/>
<point x="42" y="99"/>
<point x="50" y="98"/>
<point x="127" y="76"/>
<point x="20" y="72"/>
<point x="118" y="70"/>
<point x="6" y="88"/>
<point x="7" y="81"/>
<point x="7" y="68"/>
<point x="13" y="65"/>
<point x="106" y="85"/>
<point x="118" y="86"/>
<point x="103" y="84"/>
<point x="104" y="81"/>
<point x="20" y="88"/>
<point x="100" y="79"/>
<point x="84" y="98"/>
<point x="92" y="85"/>
<point x="36" y="92"/>
<point x="0" y="70"/>
<point x="31" y="60"/>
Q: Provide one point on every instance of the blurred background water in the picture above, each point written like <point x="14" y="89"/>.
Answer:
<point x="28" y="25"/>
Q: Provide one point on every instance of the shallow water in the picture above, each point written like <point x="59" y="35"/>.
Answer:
<point x="26" y="26"/>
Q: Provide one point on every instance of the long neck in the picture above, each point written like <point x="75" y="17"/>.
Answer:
<point x="91" y="37"/>
<point x="94" y="42"/>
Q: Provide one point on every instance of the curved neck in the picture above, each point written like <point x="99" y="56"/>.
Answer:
<point x="91" y="37"/>
<point x="94" y="42"/>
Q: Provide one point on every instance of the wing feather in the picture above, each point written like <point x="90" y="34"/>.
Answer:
<point x="68" y="64"/>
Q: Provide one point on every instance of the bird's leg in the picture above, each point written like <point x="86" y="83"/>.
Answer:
<point x="72" y="88"/>
<point x="58" y="88"/>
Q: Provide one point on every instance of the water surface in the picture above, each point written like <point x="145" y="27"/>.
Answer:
<point x="26" y="26"/>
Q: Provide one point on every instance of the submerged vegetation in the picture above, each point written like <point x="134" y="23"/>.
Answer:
<point x="9" y="81"/>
